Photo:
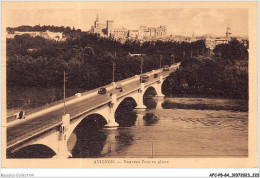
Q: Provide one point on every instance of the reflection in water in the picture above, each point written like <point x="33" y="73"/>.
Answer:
<point x="150" y="103"/>
<point x="125" y="119"/>
<point x="125" y="116"/>
<point x="110" y="144"/>
<point x="101" y="142"/>
<point x="150" y="119"/>
<point x="90" y="138"/>
<point x="139" y="120"/>
<point x="117" y="141"/>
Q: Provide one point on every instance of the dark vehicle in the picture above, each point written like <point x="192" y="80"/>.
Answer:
<point x="155" y="75"/>
<point x="20" y="115"/>
<point x="119" y="87"/>
<point x="166" y="68"/>
<point x="102" y="91"/>
<point x="144" y="78"/>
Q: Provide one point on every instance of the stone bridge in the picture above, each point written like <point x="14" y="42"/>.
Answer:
<point x="51" y="128"/>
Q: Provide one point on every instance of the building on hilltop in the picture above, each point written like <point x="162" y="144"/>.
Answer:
<point x="57" y="36"/>
<point x="133" y="34"/>
<point x="110" y="28"/>
<point x="98" y="27"/>
<point x="228" y="32"/>
<point x="143" y="33"/>
<point x="211" y="41"/>
<point x="120" y="33"/>
<point x="151" y="33"/>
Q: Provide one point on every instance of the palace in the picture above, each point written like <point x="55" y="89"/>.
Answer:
<point x="143" y="33"/>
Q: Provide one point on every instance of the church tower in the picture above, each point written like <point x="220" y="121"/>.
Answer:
<point x="228" y="32"/>
<point x="96" y="22"/>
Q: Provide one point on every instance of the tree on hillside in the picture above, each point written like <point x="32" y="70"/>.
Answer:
<point x="232" y="51"/>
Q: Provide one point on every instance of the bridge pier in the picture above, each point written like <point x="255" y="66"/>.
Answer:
<point x="159" y="103"/>
<point x="111" y="121"/>
<point x="139" y="120"/>
<point x="140" y="100"/>
<point x="159" y="88"/>
<point x="62" y="151"/>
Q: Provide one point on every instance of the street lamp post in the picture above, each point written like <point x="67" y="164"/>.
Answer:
<point x="113" y="71"/>
<point x="64" y="92"/>
<point x="141" y="66"/>
<point x="160" y="61"/>
<point x="173" y="56"/>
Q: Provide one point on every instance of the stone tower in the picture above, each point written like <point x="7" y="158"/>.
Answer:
<point x="96" y="25"/>
<point x="228" y="32"/>
<point x="110" y="28"/>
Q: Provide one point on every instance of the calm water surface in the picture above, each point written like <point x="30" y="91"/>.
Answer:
<point x="171" y="132"/>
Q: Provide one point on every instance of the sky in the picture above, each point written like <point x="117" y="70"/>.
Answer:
<point x="178" y="21"/>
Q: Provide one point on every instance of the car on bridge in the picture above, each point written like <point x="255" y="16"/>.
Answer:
<point x="144" y="78"/>
<point x="166" y="68"/>
<point x="155" y="75"/>
<point x="119" y="87"/>
<point x="102" y="91"/>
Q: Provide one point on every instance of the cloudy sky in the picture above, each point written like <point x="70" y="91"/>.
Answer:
<point x="179" y="21"/>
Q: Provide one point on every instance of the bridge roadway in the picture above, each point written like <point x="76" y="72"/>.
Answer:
<point x="21" y="129"/>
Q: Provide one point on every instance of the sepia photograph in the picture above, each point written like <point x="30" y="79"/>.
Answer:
<point x="129" y="84"/>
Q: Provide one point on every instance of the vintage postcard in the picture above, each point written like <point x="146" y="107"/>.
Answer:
<point x="129" y="85"/>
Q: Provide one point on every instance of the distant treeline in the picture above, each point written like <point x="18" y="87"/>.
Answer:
<point x="87" y="60"/>
<point x="223" y="75"/>
<point x="27" y="28"/>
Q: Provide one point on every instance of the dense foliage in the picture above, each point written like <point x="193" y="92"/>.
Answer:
<point x="225" y="74"/>
<point x="87" y="59"/>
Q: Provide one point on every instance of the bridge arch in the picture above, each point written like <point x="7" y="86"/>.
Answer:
<point x="133" y="97"/>
<point x="150" y="91"/>
<point x="149" y="97"/>
<point x="97" y="117"/>
<point x="33" y="151"/>
<point x="166" y="86"/>
<point x="87" y="139"/>
<point x="124" y="113"/>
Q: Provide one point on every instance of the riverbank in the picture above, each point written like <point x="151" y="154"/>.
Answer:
<point x="200" y="103"/>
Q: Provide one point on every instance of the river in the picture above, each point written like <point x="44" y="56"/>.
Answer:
<point x="170" y="127"/>
<point x="206" y="128"/>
